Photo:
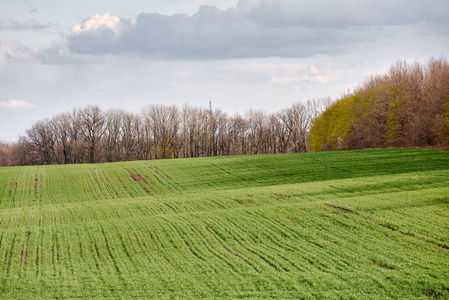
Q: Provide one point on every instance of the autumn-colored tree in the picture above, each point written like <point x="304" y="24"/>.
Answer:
<point x="407" y="107"/>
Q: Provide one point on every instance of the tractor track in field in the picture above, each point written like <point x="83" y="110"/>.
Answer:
<point x="287" y="226"/>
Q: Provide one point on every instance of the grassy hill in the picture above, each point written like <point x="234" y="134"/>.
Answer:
<point x="355" y="224"/>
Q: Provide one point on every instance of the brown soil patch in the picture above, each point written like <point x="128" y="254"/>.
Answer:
<point x="339" y="208"/>
<point x="140" y="179"/>
<point x="282" y="195"/>
<point x="24" y="256"/>
<point x="382" y="265"/>
<point x="37" y="256"/>
<point x="388" y="226"/>
<point x="442" y="246"/>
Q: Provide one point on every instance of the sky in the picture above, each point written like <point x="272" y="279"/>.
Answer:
<point x="240" y="54"/>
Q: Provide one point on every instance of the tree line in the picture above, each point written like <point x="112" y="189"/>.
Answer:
<point x="92" y="135"/>
<point x="406" y="107"/>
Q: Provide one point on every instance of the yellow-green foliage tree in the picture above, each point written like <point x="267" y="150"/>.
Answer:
<point x="331" y="129"/>
<point x="370" y="120"/>
<point x="407" y="107"/>
<point x="165" y="148"/>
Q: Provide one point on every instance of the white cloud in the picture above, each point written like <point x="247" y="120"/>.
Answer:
<point x="12" y="103"/>
<point x="98" y="34"/>
<point x="16" y="51"/>
<point x="322" y="73"/>
<point x="322" y="79"/>
<point x="286" y="80"/>
<point x="9" y="24"/>
<point x="97" y="23"/>
<point x="314" y="70"/>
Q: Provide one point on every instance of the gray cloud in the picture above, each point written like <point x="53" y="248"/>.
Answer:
<point x="344" y="13"/>
<point x="258" y="28"/>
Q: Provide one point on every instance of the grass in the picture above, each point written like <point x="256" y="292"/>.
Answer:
<point x="356" y="224"/>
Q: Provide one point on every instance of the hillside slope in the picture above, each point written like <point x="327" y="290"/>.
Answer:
<point x="370" y="223"/>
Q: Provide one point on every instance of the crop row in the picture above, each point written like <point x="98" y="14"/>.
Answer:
<point x="302" y="245"/>
<point x="31" y="186"/>
<point x="360" y="224"/>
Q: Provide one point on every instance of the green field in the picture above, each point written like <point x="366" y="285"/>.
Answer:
<point x="356" y="224"/>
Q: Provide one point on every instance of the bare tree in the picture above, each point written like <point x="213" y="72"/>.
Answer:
<point x="297" y="122"/>
<point x="257" y="125"/>
<point x="221" y="119"/>
<point x="7" y="154"/>
<point x="92" y="128"/>
<point x="62" y="127"/>
<point x="190" y="131"/>
<point x="237" y="132"/>
<point x="165" y="122"/>
<point x="41" y="142"/>
<point x="111" y="140"/>
<point x="281" y="133"/>
<point x="130" y="132"/>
